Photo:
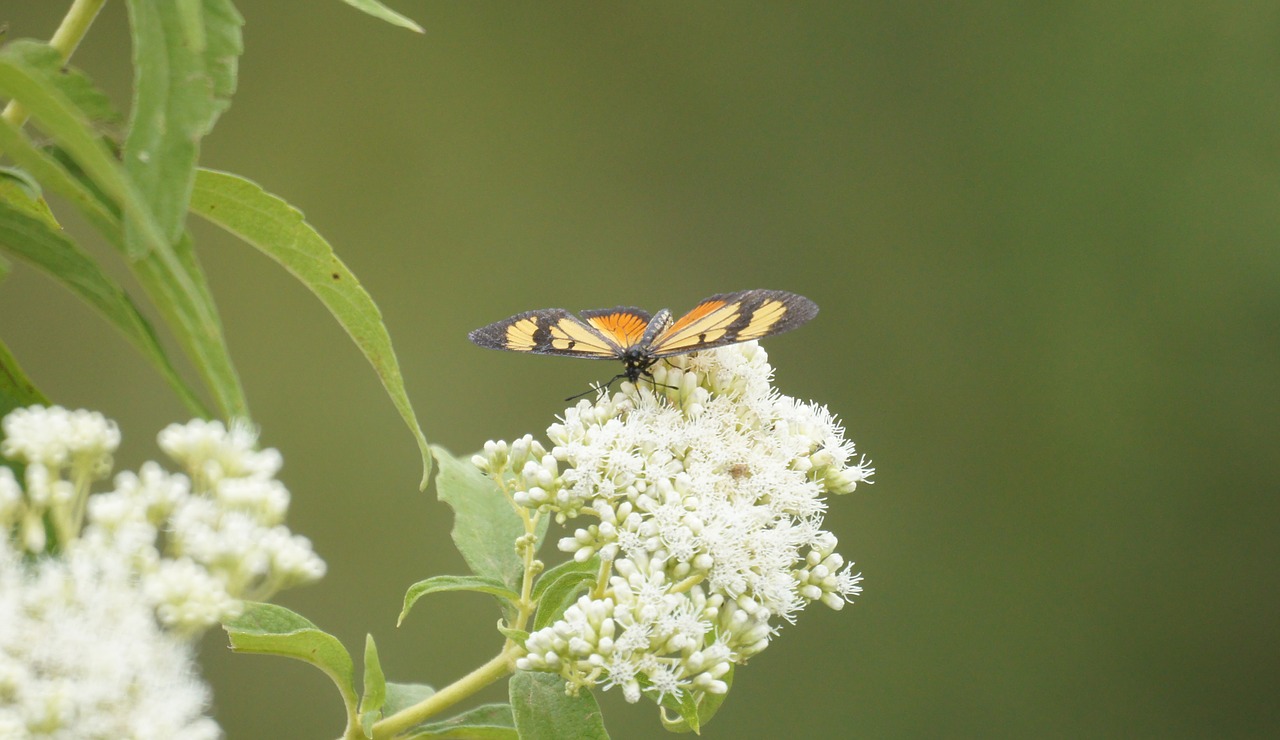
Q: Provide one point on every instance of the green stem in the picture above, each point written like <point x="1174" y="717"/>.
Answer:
<point x="496" y="668"/>
<point x="75" y="24"/>
<point x="499" y="666"/>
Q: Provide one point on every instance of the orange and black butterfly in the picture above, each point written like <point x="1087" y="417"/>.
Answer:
<point x="631" y="335"/>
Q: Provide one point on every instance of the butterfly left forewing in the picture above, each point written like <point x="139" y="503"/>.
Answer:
<point x="729" y="318"/>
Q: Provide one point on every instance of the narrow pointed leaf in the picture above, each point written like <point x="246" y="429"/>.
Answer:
<point x="280" y="231"/>
<point x="70" y="81"/>
<point x="382" y="12"/>
<point x="185" y="56"/>
<point x="53" y="176"/>
<point x="375" y="687"/>
<point x="179" y="294"/>
<point x="184" y="73"/>
<point x="58" y="117"/>
<point x="32" y="240"/>
<point x="22" y="191"/>
<point x="543" y="711"/>
<point x="16" y="389"/>
<point x="435" y="584"/>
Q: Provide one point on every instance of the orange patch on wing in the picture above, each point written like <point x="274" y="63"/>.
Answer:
<point x="624" y="328"/>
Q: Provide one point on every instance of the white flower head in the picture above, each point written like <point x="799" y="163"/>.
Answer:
<point x="81" y="656"/>
<point x="64" y="452"/>
<point x="706" y="490"/>
<point x="56" y="438"/>
<point x="210" y="451"/>
<point x="197" y="543"/>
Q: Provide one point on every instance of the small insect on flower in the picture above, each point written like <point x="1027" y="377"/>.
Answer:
<point x="631" y="335"/>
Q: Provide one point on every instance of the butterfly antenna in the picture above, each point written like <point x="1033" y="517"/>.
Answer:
<point x="596" y="388"/>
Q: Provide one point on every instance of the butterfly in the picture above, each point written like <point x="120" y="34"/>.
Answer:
<point x="638" y="340"/>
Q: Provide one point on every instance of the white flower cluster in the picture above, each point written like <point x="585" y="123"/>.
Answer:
<point x="64" y="451"/>
<point x="81" y="656"/>
<point x="198" y="542"/>
<point x="709" y="493"/>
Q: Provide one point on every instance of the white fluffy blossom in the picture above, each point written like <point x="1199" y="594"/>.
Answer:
<point x="97" y="624"/>
<point x="707" y="490"/>
<point x="199" y="541"/>
<point x="82" y="657"/>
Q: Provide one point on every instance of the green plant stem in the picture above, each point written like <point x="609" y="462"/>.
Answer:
<point x="499" y="666"/>
<point x="75" y="24"/>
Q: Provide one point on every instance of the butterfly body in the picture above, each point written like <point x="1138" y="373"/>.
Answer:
<point x="639" y="340"/>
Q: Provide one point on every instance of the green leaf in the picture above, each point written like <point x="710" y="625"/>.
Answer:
<point x="590" y="567"/>
<point x="436" y="584"/>
<point x="280" y="231"/>
<point x="184" y="60"/>
<point x="519" y="637"/>
<point x="18" y="184"/>
<point x="486" y="722"/>
<point x="543" y="711"/>
<point x="185" y="57"/>
<point x="58" y="117"/>
<point x="382" y="12"/>
<point x="268" y="629"/>
<point x="32" y="240"/>
<point x="562" y="588"/>
<point x="375" y="687"/>
<point x="71" y="82"/>
<point x="52" y="174"/>
<point x="485" y="525"/>
<point x="181" y="295"/>
<point x="16" y="389"/>
<point x="695" y="713"/>
<point x="20" y="190"/>
<point x="401" y="696"/>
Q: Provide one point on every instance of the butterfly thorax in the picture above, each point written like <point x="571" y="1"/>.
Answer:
<point x="636" y="361"/>
<point x="639" y="357"/>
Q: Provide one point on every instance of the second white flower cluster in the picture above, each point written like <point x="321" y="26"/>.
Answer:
<point x="199" y="541"/>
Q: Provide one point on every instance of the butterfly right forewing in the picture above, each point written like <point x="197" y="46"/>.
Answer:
<point x="729" y="318"/>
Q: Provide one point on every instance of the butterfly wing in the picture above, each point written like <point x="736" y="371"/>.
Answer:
<point x="625" y="325"/>
<point x="729" y="318"/>
<point x="548" y="331"/>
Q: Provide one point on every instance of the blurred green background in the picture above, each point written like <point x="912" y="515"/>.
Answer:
<point x="1044" y="238"/>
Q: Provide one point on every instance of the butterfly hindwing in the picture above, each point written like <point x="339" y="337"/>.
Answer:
<point x="548" y="331"/>
<point x="625" y="325"/>
<point x="729" y="318"/>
